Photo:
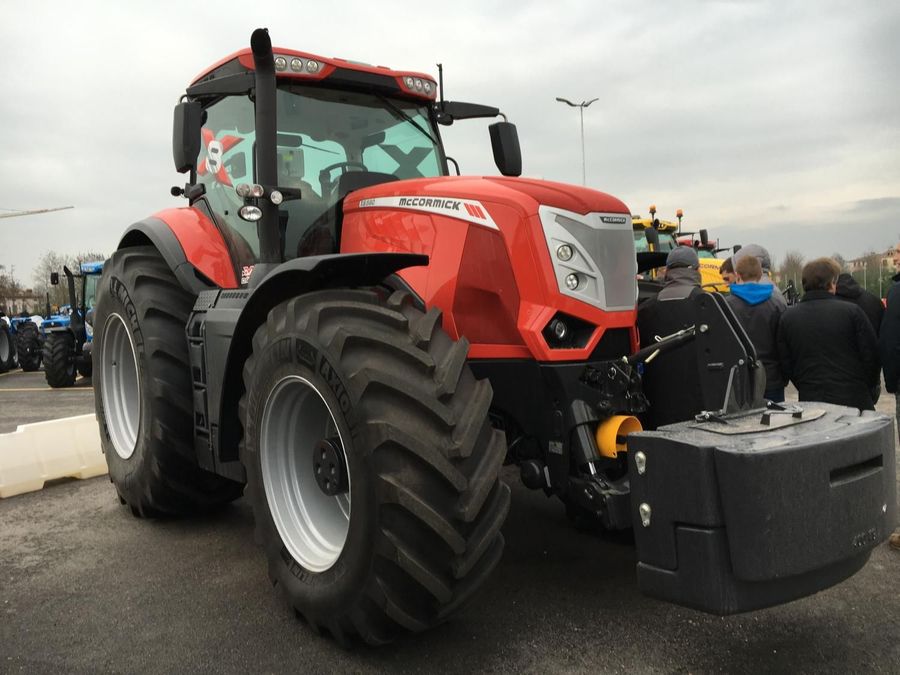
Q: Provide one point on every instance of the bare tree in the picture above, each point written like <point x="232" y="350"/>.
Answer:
<point x="53" y="261"/>
<point x="9" y="287"/>
<point x="870" y="272"/>
<point x="840" y="260"/>
<point x="790" y="269"/>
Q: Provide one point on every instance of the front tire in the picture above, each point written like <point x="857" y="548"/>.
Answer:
<point x="7" y="348"/>
<point x="28" y="346"/>
<point x="142" y="389"/>
<point x="85" y="367"/>
<point x="376" y="395"/>
<point x="59" y="359"/>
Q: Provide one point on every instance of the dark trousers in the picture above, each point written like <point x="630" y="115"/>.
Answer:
<point x="777" y="395"/>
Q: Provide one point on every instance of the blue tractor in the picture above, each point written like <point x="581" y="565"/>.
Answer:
<point x="7" y="344"/>
<point x="29" y="342"/>
<point x="69" y="334"/>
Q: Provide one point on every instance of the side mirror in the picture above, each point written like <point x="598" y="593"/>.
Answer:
<point x="505" y="144"/>
<point x="704" y="238"/>
<point x="735" y="248"/>
<point x="54" y="278"/>
<point x="186" y="135"/>
<point x="652" y="238"/>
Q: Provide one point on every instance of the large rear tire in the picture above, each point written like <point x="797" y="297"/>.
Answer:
<point x="28" y="346"/>
<point x="142" y="389"/>
<point x="59" y="359"/>
<point x="378" y="397"/>
<point x="7" y="348"/>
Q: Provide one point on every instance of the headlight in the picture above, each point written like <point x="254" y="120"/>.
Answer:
<point x="593" y="256"/>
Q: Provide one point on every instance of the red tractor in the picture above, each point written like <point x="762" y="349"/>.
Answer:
<point x="361" y="340"/>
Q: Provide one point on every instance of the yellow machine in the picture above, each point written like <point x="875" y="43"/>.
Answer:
<point x="670" y="235"/>
<point x="665" y="228"/>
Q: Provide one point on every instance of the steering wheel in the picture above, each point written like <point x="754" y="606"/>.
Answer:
<point x="329" y="185"/>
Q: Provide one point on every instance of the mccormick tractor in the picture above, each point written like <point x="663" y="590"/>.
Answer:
<point x="361" y="340"/>
<point x="69" y="334"/>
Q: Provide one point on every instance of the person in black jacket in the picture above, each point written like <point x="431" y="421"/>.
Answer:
<point x="759" y="315"/>
<point x="848" y="289"/>
<point x="827" y="347"/>
<point x="889" y="349"/>
<point x="672" y="385"/>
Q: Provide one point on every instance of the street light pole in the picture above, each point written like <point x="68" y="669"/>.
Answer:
<point x="581" y="106"/>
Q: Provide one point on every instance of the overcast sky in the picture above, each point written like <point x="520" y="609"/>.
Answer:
<point x="769" y="122"/>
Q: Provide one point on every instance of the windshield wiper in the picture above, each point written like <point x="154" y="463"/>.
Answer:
<point x="403" y="115"/>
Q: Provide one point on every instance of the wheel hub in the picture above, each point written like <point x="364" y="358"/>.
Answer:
<point x="328" y="465"/>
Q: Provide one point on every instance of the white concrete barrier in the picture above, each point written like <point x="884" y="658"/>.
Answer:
<point x="35" y="453"/>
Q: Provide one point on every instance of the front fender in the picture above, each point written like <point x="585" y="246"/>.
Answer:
<point x="191" y="245"/>
<point x="230" y="324"/>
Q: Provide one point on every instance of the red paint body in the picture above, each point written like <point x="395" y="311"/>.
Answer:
<point x="490" y="270"/>
<point x="202" y="243"/>
<point x="497" y="287"/>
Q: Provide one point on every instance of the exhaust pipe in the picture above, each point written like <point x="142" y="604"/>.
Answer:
<point x="266" y="160"/>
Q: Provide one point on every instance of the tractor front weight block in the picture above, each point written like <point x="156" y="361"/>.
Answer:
<point x="754" y="510"/>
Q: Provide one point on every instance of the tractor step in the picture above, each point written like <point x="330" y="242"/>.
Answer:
<point x="735" y="514"/>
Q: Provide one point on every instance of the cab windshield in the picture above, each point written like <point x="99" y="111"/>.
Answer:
<point x="90" y="290"/>
<point x="324" y="136"/>
<point x="641" y="245"/>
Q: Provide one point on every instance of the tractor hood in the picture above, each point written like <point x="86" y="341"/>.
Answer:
<point x="522" y="193"/>
<point x="506" y="257"/>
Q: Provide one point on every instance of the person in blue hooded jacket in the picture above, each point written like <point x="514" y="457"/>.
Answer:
<point x="759" y="313"/>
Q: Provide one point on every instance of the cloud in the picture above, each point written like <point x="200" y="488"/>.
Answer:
<point x="760" y="119"/>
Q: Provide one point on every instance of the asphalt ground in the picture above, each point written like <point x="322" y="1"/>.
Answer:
<point x="85" y="587"/>
<point x="26" y="398"/>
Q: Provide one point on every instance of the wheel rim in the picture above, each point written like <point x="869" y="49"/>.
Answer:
<point x="313" y="526"/>
<point x="120" y="386"/>
<point x="4" y="347"/>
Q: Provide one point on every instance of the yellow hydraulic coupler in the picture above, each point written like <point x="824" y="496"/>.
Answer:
<point x="611" y="434"/>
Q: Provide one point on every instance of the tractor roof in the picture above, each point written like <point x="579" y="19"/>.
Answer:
<point x="664" y="225"/>
<point x="305" y="67"/>
<point x="92" y="267"/>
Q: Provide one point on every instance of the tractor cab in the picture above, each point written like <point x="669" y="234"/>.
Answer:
<point x="334" y="126"/>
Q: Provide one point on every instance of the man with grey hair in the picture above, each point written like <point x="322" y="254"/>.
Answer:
<point x="765" y="261"/>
